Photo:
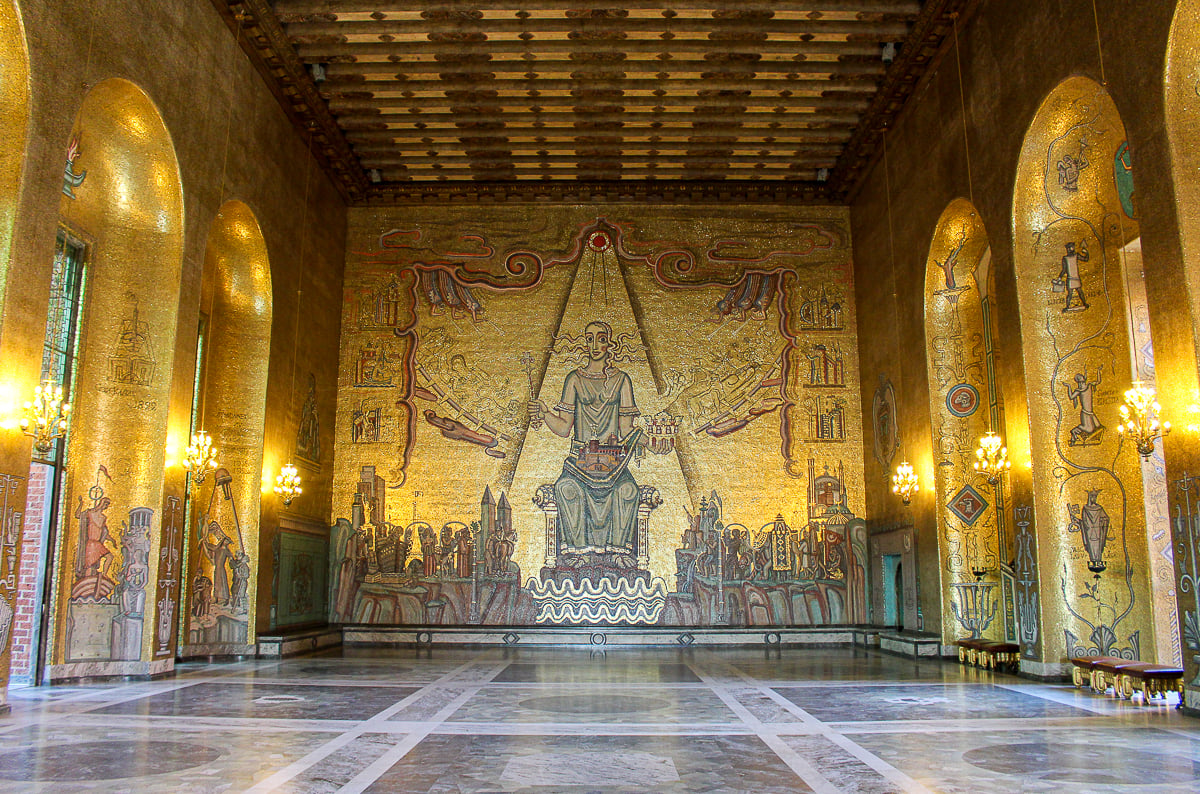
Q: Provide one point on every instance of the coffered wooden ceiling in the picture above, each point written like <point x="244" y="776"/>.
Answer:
<point x="742" y="100"/>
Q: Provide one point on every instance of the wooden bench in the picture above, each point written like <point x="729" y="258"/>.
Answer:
<point x="988" y="653"/>
<point x="995" y="654"/>
<point x="968" y="649"/>
<point x="1084" y="670"/>
<point x="1107" y="671"/>
<point x="1151" y="680"/>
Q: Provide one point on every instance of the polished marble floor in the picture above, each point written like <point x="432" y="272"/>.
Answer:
<point x="565" y="720"/>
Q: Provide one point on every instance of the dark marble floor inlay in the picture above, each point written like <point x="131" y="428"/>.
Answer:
<point x="102" y="760"/>
<point x="1079" y="762"/>
<point x="542" y="720"/>
<point x="266" y="701"/>
<point x="612" y="671"/>
<point x="594" y="704"/>
<point x="478" y="764"/>
<point x="923" y="702"/>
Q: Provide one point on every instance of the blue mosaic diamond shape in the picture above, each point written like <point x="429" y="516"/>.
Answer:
<point x="685" y="639"/>
<point x="968" y="504"/>
<point x="511" y="639"/>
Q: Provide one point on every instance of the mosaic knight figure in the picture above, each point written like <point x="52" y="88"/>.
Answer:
<point x="596" y="494"/>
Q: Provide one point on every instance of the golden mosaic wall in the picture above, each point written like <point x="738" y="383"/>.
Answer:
<point x="129" y="208"/>
<point x="1072" y="214"/>
<point x="14" y="122"/>
<point x="974" y="546"/>
<point x="223" y="550"/>
<point x="730" y="372"/>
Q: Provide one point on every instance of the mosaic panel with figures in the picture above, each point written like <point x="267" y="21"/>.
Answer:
<point x="556" y="415"/>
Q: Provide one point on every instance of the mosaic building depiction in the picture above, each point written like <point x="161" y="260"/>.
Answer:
<point x="601" y="424"/>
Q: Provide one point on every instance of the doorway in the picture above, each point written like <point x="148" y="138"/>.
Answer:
<point x="893" y="591"/>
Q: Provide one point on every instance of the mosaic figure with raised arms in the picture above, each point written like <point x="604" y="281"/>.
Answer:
<point x="596" y="494"/>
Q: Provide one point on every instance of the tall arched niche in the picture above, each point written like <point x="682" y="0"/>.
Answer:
<point x="1071" y="219"/>
<point x="1182" y="95"/>
<point x="1178" y="384"/>
<point x="224" y="551"/>
<point x="14" y="127"/>
<point x="14" y="130"/>
<point x="129" y="209"/>
<point x="974" y="545"/>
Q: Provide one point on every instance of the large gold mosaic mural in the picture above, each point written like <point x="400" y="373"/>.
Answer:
<point x="561" y="415"/>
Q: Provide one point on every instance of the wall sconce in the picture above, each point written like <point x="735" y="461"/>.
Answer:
<point x="1139" y="419"/>
<point x="45" y="417"/>
<point x="905" y="482"/>
<point x="287" y="484"/>
<point x="992" y="458"/>
<point x="201" y="456"/>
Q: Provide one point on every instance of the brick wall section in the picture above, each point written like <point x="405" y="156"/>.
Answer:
<point x="27" y="582"/>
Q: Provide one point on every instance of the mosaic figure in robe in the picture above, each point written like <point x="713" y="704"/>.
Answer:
<point x="596" y="494"/>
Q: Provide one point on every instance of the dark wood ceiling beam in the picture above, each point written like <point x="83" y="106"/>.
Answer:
<point x="701" y="115"/>
<point x="649" y="190"/>
<point x="347" y="85"/>
<point x="930" y="31"/>
<point x="711" y="170"/>
<point x="413" y="161"/>
<point x="373" y="156"/>
<point x="561" y="104"/>
<point x="380" y="51"/>
<point x="866" y="29"/>
<point x="745" y="133"/>
<point x="261" y="35"/>
<point x="289" y="10"/>
<point x="641" y="67"/>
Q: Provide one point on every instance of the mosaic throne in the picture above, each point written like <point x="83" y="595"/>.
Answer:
<point x="648" y="499"/>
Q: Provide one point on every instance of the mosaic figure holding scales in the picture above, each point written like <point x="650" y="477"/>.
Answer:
<point x="596" y="494"/>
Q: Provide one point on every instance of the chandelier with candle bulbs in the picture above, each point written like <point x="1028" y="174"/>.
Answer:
<point x="992" y="457"/>
<point x="905" y="482"/>
<point x="1139" y="419"/>
<point x="287" y="484"/>
<point x="201" y="456"/>
<point x="45" y="417"/>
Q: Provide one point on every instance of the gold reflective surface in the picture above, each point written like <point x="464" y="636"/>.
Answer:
<point x="224" y="537"/>
<point x="130" y="210"/>
<point x="1069" y="226"/>
<point x="963" y="407"/>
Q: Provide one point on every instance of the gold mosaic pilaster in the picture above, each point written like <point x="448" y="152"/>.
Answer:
<point x="1068" y="229"/>
<point x="224" y="537"/>
<point x="129" y="209"/>
<point x="1182" y="110"/>
<point x="14" y="125"/>
<point x="962" y="409"/>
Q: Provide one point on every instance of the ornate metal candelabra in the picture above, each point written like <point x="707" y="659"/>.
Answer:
<point x="45" y="417"/>
<point x="287" y="484"/>
<point x="992" y="458"/>
<point x="905" y="482"/>
<point x="200" y="457"/>
<point x="1139" y="419"/>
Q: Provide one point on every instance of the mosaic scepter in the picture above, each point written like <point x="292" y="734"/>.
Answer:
<point x="535" y="421"/>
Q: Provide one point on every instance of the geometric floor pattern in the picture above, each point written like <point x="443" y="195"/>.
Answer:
<point x="565" y="720"/>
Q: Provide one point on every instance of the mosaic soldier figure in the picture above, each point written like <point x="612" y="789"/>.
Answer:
<point x="1068" y="279"/>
